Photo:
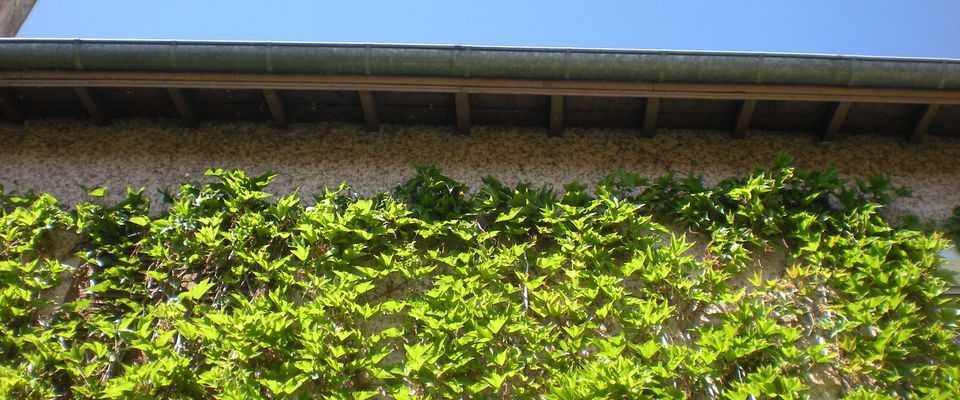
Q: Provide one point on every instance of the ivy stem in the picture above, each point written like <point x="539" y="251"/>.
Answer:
<point x="526" y="275"/>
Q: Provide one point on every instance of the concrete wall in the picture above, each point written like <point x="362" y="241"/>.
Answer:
<point x="57" y="156"/>
<point x="12" y="15"/>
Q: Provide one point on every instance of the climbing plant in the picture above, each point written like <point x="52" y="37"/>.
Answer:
<point x="783" y="283"/>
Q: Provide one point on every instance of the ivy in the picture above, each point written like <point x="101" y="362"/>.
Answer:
<point x="229" y="292"/>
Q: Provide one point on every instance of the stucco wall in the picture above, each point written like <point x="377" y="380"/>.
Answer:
<point x="57" y="156"/>
<point x="12" y="15"/>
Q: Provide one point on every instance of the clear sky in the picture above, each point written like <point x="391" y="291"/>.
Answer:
<point x="918" y="28"/>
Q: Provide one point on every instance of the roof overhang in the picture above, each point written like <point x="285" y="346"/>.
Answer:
<point x="910" y="96"/>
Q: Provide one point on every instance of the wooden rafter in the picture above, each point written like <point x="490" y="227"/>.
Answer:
<point x="188" y="113"/>
<point x="11" y="106"/>
<point x="85" y="83"/>
<point x="275" y="104"/>
<point x="370" y="115"/>
<point x="462" y="103"/>
<point x="92" y="104"/>
<point x="837" y="116"/>
<point x="923" y="122"/>
<point x="744" y="114"/>
<point x="556" y="115"/>
<point x="651" y="108"/>
<point x="706" y="91"/>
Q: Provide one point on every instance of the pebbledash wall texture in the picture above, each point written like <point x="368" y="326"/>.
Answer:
<point x="58" y="156"/>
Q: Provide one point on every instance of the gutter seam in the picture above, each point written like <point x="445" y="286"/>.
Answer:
<point x="76" y="55"/>
<point x="269" y="58"/>
<point x="366" y="60"/>
<point x="173" y="56"/>
<point x="943" y="75"/>
<point x="760" y="61"/>
<point x="661" y="67"/>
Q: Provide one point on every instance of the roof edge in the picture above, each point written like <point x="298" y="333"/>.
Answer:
<point x="456" y="61"/>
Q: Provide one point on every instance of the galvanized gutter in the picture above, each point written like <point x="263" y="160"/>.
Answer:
<point x="478" y="62"/>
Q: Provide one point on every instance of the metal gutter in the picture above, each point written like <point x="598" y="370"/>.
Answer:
<point x="478" y="62"/>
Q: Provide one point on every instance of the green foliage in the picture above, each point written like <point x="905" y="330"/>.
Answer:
<point x="952" y="225"/>
<point x="432" y="196"/>
<point x="518" y="292"/>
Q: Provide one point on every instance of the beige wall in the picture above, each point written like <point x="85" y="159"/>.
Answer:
<point x="12" y="15"/>
<point x="57" y="156"/>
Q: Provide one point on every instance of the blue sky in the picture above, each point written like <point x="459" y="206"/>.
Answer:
<point x="920" y="28"/>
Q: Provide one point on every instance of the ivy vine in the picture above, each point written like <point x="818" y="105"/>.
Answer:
<point x="229" y="292"/>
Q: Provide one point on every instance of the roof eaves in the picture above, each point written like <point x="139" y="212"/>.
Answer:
<point x="660" y="66"/>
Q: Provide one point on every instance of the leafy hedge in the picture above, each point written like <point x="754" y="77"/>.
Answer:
<point x="509" y="292"/>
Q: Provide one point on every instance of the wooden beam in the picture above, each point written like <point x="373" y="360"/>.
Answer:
<point x="92" y="104"/>
<point x="11" y="106"/>
<point x="188" y="113"/>
<point x="370" y="115"/>
<point x="706" y="91"/>
<point x="923" y="122"/>
<point x="275" y="104"/>
<point x="650" y="110"/>
<point x="556" y="115"/>
<point x="462" y="101"/>
<point x="743" y="118"/>
<point x="835" y="123"/>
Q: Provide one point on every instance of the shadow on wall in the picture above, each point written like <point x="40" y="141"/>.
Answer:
<point x="56" y="156"/>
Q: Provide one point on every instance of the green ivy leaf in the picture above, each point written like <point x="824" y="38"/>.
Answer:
<point x="197" y="291"/>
